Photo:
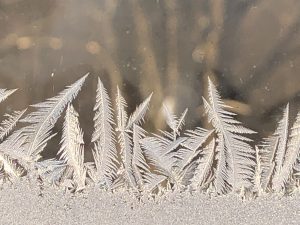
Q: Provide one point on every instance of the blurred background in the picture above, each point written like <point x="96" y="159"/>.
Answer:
<point x="249" y="48"/>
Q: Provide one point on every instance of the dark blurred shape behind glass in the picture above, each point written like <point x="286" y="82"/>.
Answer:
<point x="250" y="48"/>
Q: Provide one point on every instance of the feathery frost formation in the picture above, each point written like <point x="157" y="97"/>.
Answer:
<point x="218" y="161"/>
<point x="105" y="151"/>
<point x="236" y="162"/>
<point x="72" y="150"/>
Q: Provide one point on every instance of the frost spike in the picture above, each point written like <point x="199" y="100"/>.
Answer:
<point x="72" y="147"/>
<point x="104" y="152"/>
<point x="237" y="156"/>
<point x="274" y="151"/>
<point x="139" y="114"/>
<point x="292" y="154"/>
<point x="43" y="120"/>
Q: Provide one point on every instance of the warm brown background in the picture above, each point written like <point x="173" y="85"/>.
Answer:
<point x="250" y="48"/>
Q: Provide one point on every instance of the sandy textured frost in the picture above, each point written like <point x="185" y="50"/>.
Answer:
<point x="24" y="203"/>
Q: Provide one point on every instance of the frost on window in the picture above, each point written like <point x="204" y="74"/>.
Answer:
<point x="151" y="97"/>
